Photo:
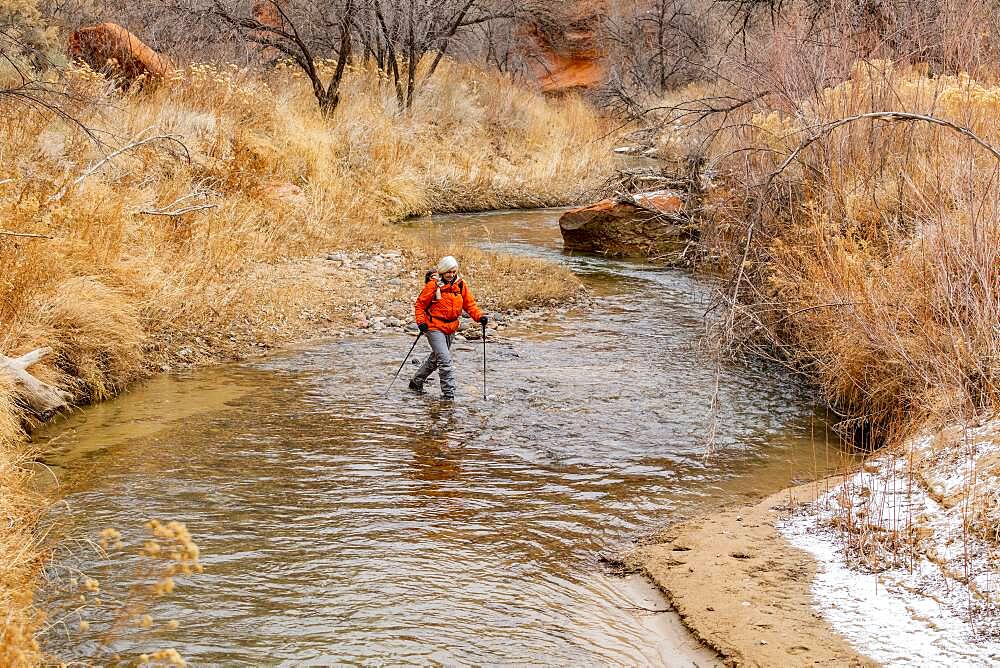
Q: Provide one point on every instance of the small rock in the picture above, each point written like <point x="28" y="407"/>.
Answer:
<point x="184" y="352"/>
<point x="415" y="361"/>
<point x="395" y="281"/>
<point x="393" y="321"/>
<point x="411" y="327"/>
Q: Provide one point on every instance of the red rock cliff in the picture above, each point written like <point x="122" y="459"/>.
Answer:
<point x="563" y="41"/>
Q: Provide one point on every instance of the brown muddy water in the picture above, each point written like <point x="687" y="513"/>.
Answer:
<point x="338" y="526"/>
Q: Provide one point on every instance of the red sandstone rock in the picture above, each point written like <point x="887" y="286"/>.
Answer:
<point x="108" y="47"/>
<point x="649" y="227"/>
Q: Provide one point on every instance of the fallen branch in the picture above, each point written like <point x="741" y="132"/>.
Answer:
<point x="178" y="212"/>
<point x="111" y="156"/>
<point x="8" y="233"/>
<point x="172" y="210"/>
<point x="639" y="608"/>
<point x="41" y="397"/>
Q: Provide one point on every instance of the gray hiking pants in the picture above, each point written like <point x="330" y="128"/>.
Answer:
<point x="440" y="359"/>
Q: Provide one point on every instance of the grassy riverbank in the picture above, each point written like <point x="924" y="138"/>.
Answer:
<point x="203" y="235"/>
<point x="859" y="229"/>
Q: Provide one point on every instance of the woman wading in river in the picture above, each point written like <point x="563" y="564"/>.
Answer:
<point x="437" y="310"/>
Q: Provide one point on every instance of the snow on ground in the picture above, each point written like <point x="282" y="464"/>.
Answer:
<point x="907" y="551"/>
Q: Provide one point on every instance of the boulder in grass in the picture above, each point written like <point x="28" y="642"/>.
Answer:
<point x="643" y="225"/>
<point x="111" y="49"/>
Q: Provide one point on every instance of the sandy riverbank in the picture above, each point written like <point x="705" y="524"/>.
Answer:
<point x="743" y="589"/>
<point x="891" y="565"/>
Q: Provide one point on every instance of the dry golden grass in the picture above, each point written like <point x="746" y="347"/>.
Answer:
<point x="19" y="549"/>
<point x="874" y="258"/>
<point x="116" y="290"/>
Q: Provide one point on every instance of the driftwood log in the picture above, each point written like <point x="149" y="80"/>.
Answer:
<point x="41" y="397"/>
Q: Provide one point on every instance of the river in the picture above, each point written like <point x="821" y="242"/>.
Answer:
<point x="340" y="526"/>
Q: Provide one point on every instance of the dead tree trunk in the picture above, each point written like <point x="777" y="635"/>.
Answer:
<point x="41" y="397"/>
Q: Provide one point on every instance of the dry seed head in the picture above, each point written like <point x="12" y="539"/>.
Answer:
<point x="110" y="538"/>
<point x="164" y="586"/>
<point x="169" y="656"/>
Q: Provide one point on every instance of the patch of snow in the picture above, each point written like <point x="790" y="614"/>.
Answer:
<point x="880" y="615"/>
<point x="903" y="573"/>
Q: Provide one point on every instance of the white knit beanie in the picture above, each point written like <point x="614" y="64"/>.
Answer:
<point x="447" y="263"/>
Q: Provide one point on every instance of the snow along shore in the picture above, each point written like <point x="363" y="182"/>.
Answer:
<point x="907" y="550"/>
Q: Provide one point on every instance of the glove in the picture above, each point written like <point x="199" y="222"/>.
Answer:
<point x="428" y="276"/>
<point x="423" y="327"/>
<point x="485" y="319"/>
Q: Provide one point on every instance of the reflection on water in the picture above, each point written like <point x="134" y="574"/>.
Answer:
<point x="340" y="526"/>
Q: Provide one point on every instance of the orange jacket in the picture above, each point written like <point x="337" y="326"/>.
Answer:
<point x="443" y="314"/>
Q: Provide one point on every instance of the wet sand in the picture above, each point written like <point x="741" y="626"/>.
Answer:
<point x="743" y="589"/>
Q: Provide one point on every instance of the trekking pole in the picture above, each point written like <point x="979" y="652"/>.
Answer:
<point x="484" y="361"/>
<point x="403" y="363"/>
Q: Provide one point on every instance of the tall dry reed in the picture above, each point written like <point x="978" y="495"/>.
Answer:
<point x="857" y="222"/>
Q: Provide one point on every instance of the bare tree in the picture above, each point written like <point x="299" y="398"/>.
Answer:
<point x="300" y="33"/>
<point x="658" y="45"/>
<point x="397" y="35"/>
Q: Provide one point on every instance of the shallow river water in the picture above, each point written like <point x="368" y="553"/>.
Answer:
<point x="339" y="526"/>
